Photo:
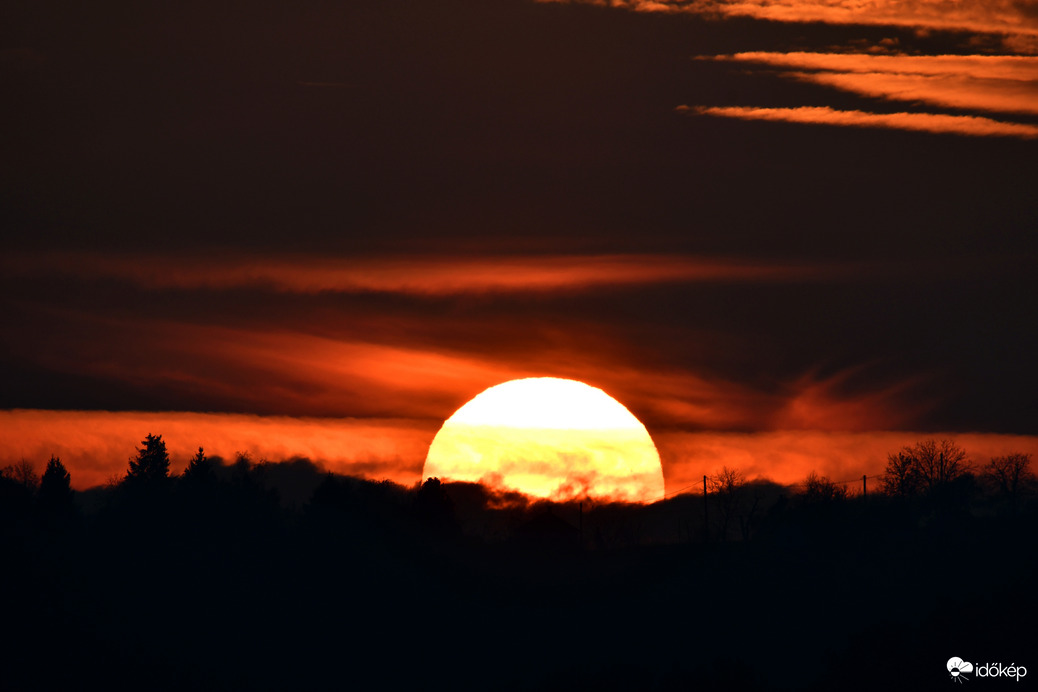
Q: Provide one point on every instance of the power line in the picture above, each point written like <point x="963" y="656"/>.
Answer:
<point x="853" y="480"/>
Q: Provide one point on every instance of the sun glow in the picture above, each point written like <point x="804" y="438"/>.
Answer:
<point x="552" y="438"/>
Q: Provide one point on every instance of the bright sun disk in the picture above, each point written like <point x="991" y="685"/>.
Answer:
<point x="548" y="437"/>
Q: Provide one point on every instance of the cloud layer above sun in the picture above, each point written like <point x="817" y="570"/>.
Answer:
<point x="416" y="274"/>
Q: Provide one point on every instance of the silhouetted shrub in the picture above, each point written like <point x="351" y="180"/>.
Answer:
<point x="821" y="491"/>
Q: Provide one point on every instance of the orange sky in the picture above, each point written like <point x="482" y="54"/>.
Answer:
<point x="737" y="217"/>
<point x="95" y="445"/>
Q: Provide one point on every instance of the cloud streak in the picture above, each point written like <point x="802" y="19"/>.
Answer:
<point x="432" y="276"/>
<point x="271" y="370"/>
<point x="1011" y="17"/>
<point x="998" y="83"/>
<point x="934" y="123"/>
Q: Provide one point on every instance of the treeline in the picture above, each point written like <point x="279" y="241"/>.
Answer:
<point x="930" y="478"/>
<point x="259" y="575"/>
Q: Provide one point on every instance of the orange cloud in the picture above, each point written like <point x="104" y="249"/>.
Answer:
<point x="274" y="370"/>
<point x="271" y="370"/>
<point x="1010" y="17"/>
<point x="919" y="122"/>
<point x="999" y="83"/>
<point x="818" y="404"/>
<point x="1001" y="67"/>
<point x="96" y="445"/>
<point x="435" y="276"/>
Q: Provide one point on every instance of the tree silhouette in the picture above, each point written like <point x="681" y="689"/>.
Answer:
<point x="56" y="494"/>
<point x="902" y="475"/>
<point x="17" y="488"/>
<point x="433" y="506"/>
<point x="726" y="491"/>
<point x="242" y="470"/>
<point x="940" y="462"/>
<point x="151" y="465"/>
<point x="1011" y="475"/>
<point x="23" y="474"/>
<point x="331" y="492"/>
<point x="200" y="469"/>
<point x="926" y="466"/>
<point x="821" y="491"/>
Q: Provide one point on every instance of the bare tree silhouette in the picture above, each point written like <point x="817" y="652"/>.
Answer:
<point x="902" y="474"/>
<point x="940" y="462"/>
<point x="726" y="491"/>
<point x="22" y="473"/>
<point x="821" y="491"/>
<point x="18" y="484"/>
<point x="1011" y="476"/>
<point x="926" y="466"/>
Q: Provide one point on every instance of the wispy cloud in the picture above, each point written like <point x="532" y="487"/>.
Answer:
<point x="272" y="370"/>
<point x="417" y="275"/>
<point x="1015" y="18"/>
<point x="920" y="122"/>
<point x="999" y="83"/>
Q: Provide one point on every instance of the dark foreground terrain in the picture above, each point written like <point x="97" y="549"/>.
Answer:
<point x="223" y="581"/>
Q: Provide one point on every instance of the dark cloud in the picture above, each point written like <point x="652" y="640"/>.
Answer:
<point x="202" y="168"/>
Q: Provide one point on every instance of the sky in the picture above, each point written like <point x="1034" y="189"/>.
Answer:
<point x="784" y="234"/>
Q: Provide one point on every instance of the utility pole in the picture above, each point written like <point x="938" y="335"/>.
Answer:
<point x="706" y="515"/>
<point x="864" y="486"/>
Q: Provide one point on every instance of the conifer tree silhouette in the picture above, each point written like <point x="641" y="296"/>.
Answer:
<point x="55" y="495"/>
<point x="199" y="469"/>
<point x="151" y="464"/>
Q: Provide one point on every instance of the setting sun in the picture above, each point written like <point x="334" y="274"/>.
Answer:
<point x="549" y="437"/>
